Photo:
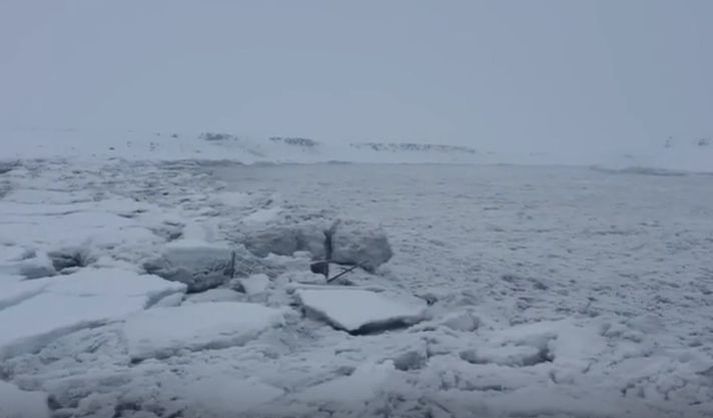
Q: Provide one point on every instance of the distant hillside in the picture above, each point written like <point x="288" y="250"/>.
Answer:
<point x="412" y="147"/>
<point x="691" y="154"/>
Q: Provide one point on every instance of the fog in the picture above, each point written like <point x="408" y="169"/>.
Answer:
<point x="313" y="208"/>
<point x="552" y="75"/>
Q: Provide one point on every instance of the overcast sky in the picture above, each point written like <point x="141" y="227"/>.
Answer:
<point x="506" y="73"/>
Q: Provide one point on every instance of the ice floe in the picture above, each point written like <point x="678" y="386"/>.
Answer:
<point x="163" y="332"/>
<point x="361" y="311"/>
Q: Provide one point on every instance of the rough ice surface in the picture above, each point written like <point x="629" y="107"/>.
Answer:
<point x="361" y="310"/>
<point x="163" y="332"/>
<point x="552" y="291"/>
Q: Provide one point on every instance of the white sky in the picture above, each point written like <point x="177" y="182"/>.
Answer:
<point x="541" y="74"/>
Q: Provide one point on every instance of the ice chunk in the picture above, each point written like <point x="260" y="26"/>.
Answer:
<point x="198" y="264"/>
<point x="508" y="355"/>
<point x="463" y="321"/>
<point x="361" y="386"/>
<point x="38" y="266"/>
<point x="280" y="240"/>
<point x="35" y="322"/>
<point x="235" y="199"/>
<point x="190" y="251"/>
<point x="168" y="301"/>
<point x="360" y="244"/>
<point x="114" y="282"/>
<point x="16" y="403"/>
<point x="163" y="332"/>
<point x="27" y="263"/>
<point x="255" y="284"/>
<point x="216" y="295"/>
<point x="306" y="277"/>
<point x="44" y="309"/>
<point x="262" y="216"/>
<point x="361" y="311"/>
<point x="67" y="258"/>
<point x="286" y="240"/>
<point x="224" y="396"/>
<point x="411" y="360"/>
<point x="311" y="237"/>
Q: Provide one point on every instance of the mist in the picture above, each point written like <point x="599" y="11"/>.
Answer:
<point x="547" y="75"/>
<point x="324" y="209"/>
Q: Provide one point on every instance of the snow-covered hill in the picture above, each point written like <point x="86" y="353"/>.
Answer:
<point x="684" y="155"/>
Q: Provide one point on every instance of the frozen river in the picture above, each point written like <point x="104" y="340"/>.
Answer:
<point x="555" y="292"/>
<point x="605" y="242"/>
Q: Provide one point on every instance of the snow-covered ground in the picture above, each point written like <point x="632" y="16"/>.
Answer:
<point x="512" y="290"/>
<point x="672" y="154"/>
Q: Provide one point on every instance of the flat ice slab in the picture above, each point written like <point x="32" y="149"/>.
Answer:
<point x="163" y="332"/>
<point x="41" y="310"/>
<point x="226" y="396"/>
<point x="359" y="387"/>
<point x="361" y="311"/>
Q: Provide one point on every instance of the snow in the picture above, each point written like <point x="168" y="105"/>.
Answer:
<point x="359" y="310"/>
<point x="163" y="332"/>
<point x="554" y="291"/>
<point x="16" y="403"/>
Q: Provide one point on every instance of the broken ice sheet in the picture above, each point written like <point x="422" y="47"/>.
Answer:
<point x="163" y="332"/>
<point x="361" y="311"/>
